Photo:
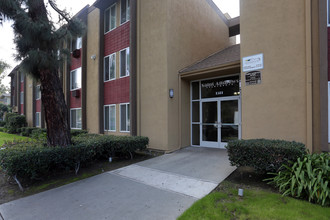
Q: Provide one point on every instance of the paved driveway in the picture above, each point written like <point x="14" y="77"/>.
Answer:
<point x="159" y="188"/>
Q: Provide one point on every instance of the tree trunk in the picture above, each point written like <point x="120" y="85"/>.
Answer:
<point x="56" y="111"/>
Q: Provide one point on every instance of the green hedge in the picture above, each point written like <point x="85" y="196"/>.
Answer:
<point x="264" y="155"/>
<point x="32" y="161"/>
<point x="15" y="123"/>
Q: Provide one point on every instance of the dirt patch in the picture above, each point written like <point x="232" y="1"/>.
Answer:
<point x="9" y="189"/>
<point x="246" y="178"/>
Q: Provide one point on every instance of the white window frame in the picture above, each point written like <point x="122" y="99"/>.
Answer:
<point x="38" y="92"/>
<point x="127" y="65"/>
<point x="112" y="105"/>
<point x="21" y="98"/>
<point x="37" y="119"/>
<point x="127" y="121"/>
<point x="328" y="13"/>
<point x="127" y="12"/>
<point x="110" y="79"/>
<point x="78" y="70"/>
<point x="109" y="10"/>
<point x="75" y="109"/>
<point x="78" y="43"/>
<point x="22" y="77"/>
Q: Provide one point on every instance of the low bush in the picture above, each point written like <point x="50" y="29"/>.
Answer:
<point x="2" y="123"/>
<point x="33" y="161"/>
<point x="15" y="122"/>
<point x="27" y="131"/>
<point x="39" y="133"/>
<point x="10" y="114"/>
<point x="77" y="132"/>
<point x="307" y="178"/>
<point x="264" y="155"/>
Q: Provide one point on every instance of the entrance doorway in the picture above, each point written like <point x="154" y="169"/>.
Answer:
<point x="216" y="112"/>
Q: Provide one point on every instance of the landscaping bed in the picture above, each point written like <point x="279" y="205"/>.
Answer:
<point x="10" y="191"/>
<point x="260" y="201"/>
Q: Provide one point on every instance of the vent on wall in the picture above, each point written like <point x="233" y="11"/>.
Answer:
<point x="76" y="53"/>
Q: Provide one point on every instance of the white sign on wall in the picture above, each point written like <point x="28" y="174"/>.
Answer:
<point x="254" y="62"/>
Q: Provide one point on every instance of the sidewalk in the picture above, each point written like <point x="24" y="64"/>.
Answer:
<point x="159" y="188"/>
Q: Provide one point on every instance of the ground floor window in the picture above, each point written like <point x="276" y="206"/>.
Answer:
<point x="75" y="116"/>
<point x="22" y="98"/>
<point x="124" y="117"/>
<point x="215" y="111"/>
<point x="110" y="118"/>
<point x="37" y="119"/>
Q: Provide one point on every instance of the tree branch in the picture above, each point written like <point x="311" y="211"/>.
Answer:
<point x="54" y="6"/>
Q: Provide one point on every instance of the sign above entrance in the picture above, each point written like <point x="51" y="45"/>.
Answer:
<point x="227" y="86"/>
<point x="252" y="78"/>
<point x="254" y="62"/>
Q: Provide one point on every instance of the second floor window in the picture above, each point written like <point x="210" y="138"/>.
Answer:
<point x="75" y="79"/>
<point x="110" y="18"/>
<point x="110" y="67"/>
<point x="124" y="63"/>
<point x="38" y="92"/>
<point x="22" y="77"/>
<point x="76" y="43"/>
<point x="124" y="11"/>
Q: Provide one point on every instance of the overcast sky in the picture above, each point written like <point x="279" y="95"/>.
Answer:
<point x="7" y="47"/>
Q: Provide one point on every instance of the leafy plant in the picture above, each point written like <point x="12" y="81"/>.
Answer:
<point x="307" y="178"/>
<point x="15" y="123"/>
<point x="264" y="155"/>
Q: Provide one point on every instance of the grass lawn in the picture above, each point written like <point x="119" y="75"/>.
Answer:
<point x="256" y="203"/>
<point x="10" y="137"/>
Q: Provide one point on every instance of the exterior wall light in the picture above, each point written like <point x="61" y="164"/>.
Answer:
<point x="171" y="93"/>
<point x="93" y="57"/>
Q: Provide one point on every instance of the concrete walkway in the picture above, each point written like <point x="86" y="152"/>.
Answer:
<point x="159" y="188"/>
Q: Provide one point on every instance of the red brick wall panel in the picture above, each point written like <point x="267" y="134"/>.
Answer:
<point x="22" y="87"/>
<point x="75" y="102"/>
<point x="22" y="109"/>
<point x="38" y="105"/>
<point x="116" y="91"/>
<point x="328" y="53"/>
<point x="117" y="39"/>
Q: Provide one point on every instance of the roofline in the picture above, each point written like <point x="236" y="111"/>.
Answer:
<point x="218" y="11"/>
<point x="229" y="65"/>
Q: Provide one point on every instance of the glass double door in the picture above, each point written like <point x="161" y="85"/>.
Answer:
<point x="220" y="121"/>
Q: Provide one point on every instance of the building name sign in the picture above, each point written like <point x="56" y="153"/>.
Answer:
<point x="228" y="86"/>
<point x="254" y="62"/>
<point x="252" y="78"/>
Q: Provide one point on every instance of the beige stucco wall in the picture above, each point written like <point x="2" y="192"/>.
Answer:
<point x="279" y="107"/>
<point x="29" y="101"/>
<point x="92" y="85"/>
<point x="171" y="35"/>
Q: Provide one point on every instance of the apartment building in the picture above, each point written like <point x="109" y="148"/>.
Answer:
<point x="170" y="70"/>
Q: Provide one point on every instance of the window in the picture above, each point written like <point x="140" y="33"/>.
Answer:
<point x="37" y="119"/>
<point x="328" y="12"/>
<point x="22" y="77"/>
<point x="38" y="92"/>
<point x="110" y="67"/>
<point x="76" y="43"/>
<point x="75" y="79"/>
<point x="75" y="116"/>
<point x="124" y="118"/>
<point x="110" y="118"/>
<point x="124" y="11"/>
<point x="124" y="63"/>
<point x="110" y="18"/>
<point x="22" y="98"/>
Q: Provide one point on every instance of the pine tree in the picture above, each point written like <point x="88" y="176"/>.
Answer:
<point x="37" y="44"/>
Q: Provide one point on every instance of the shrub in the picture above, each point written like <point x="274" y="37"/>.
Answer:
<point x="307" y="178"/>
<point x="2" y="123"/>
<point x="27" y="131"/>
<point x="264" y="155"/>
<point x="39" y="133"/>
<point x="33" y="161"/>
<point x="77" y="132"/>
<point x="16" y="122"/>
<point x="10" y="114"/>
